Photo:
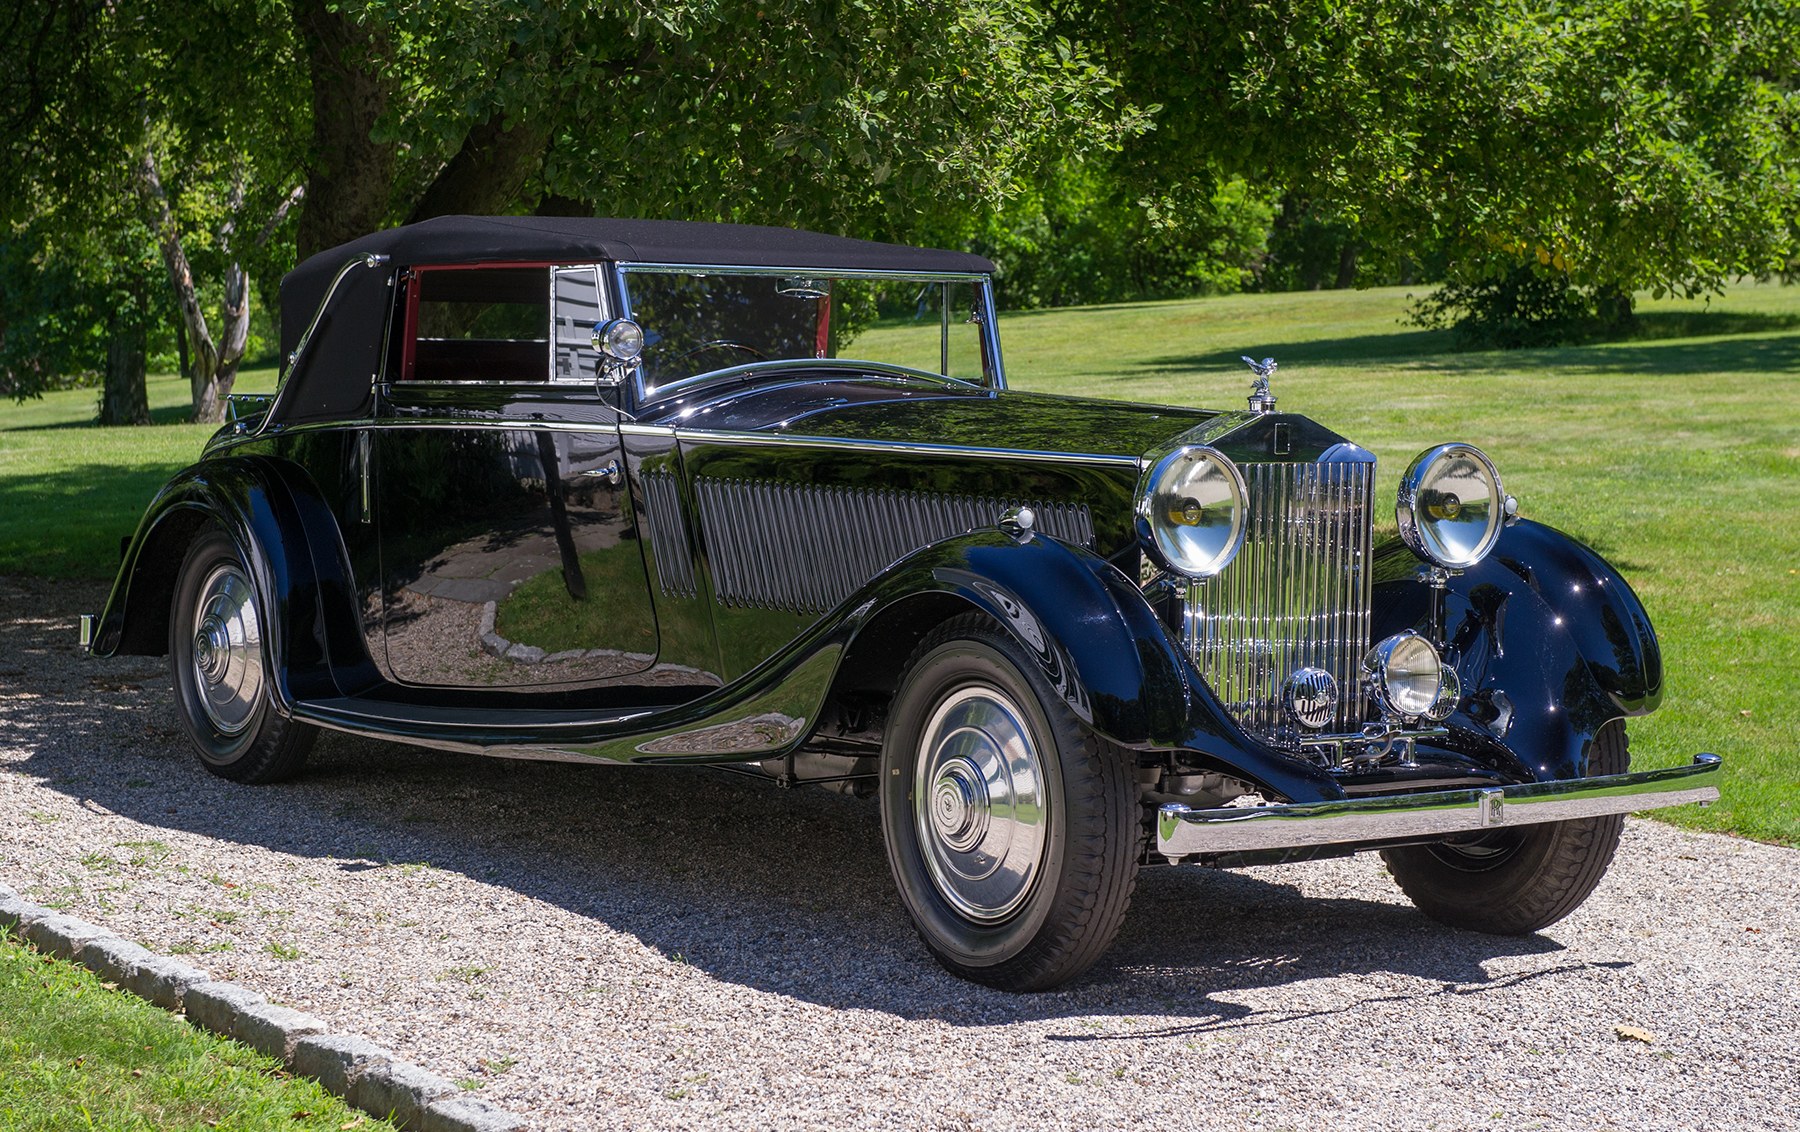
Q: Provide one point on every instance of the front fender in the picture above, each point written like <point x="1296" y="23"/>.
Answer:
<point x="1549" y="641"/>
<point x="1099" y="644"/>
<point x="272" y="523"/>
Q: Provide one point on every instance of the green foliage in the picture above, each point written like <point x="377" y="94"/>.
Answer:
<point x="1084" y="236"/>
<point x="61" y="294"/>
<point x="862" y="115"/>
<point x="1640" y="144"/>
<point x="1527" y="306"/>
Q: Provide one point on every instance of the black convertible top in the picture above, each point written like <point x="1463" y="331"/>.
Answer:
<point x="345" y="352"/>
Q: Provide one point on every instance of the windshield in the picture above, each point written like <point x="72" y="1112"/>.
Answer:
<point x="696" y="323"/>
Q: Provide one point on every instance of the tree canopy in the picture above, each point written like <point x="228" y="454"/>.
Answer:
<point x="1141" y="147"/>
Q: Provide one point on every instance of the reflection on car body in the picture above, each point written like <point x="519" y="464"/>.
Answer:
<point x="635" y="491"/>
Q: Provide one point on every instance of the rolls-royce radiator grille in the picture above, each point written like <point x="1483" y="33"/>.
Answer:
<point x="1296" y="595"/>
<point x="805" y="548"/>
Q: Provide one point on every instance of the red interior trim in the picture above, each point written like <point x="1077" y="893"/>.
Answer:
<point x="408" y="350"/>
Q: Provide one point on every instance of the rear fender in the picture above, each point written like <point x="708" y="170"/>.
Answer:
<point x="274" y="528"/>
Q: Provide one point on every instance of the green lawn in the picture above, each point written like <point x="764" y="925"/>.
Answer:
<point x="1676" y="454"/>
<point x="69" y="491"/>
<point x="75" y="1053"/>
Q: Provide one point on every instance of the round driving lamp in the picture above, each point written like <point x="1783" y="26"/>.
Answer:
<point x="622" y="340"/>
<point x="1451" y="506"/>
<point x="1191" y="511"/>
<point x="1406" y="675"/>
<point x="1449" y="695"/>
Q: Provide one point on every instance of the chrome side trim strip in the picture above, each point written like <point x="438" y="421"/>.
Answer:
<point x="664" y="432"/>
<point x="1183" y="832"/>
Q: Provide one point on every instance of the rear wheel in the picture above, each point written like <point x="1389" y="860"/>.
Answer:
<point x="1517" y="881"/>
<point x="221" y="670"/>
<point x="1011" y="829"/>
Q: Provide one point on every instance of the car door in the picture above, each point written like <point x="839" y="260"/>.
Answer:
<point x="509" y="548"/>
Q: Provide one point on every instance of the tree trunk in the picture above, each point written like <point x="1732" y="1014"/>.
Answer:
<point x="185" y="363"/>
<point x="489" y="173"/>
<point x="348" y="185"/>
<point x="1613" y="307"/>
<point x="123" y="399"/>
<point x="215" y="364"/>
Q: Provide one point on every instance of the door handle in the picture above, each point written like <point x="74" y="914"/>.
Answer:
<point x="610" y="473"/>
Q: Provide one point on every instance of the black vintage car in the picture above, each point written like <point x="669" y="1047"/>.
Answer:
<point x="652" y="492"/>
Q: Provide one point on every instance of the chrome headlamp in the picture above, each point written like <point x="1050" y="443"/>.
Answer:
<point x="1451" y="506"/>
<point x="1406" y="675"/>
<point x="1191" y="511"/>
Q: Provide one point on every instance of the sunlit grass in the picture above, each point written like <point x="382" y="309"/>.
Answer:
<point x="76" y="1054"/>
<point x="70" y="491"/>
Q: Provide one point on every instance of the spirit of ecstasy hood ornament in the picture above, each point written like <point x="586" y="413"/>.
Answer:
<point x="1261" y="400"/>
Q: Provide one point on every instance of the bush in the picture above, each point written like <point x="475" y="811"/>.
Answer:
<point x="1526" y="306"/>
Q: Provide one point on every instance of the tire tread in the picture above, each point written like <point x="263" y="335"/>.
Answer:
<point x="1570" y="859"/>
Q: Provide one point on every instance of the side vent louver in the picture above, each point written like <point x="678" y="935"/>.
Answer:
<point x="668" y="543"/>
<point x="804" y="549"/>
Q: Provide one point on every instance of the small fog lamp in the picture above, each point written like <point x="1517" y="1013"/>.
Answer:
<point x="622" y="340"/>
<point x="1406" y="675"/>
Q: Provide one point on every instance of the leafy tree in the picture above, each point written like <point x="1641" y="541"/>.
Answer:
<point x="117" y="96"/>
<point x="865" y="115"/>
<point x="1084" y="235"/>
<point x="1620" y="144"/>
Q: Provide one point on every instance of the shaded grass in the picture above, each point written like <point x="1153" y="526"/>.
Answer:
<point x="77" y="1054"/>
<point x="541" y="611"/>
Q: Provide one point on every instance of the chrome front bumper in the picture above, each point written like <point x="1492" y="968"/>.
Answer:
<point x="1183" y="832"/>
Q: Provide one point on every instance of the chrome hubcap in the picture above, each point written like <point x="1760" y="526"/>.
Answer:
<point x="227" y="661"/>
<point x="979" y="803"/>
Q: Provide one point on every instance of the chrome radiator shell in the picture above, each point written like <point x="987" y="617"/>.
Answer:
<point x="1297" y="595"/>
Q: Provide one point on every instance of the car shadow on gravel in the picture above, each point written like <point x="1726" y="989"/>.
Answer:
<point x="787" y="892"/>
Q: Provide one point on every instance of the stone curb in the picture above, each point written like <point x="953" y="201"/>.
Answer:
<point x="363" y="1074"/>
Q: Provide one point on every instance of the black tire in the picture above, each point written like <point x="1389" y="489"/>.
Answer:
<point x="221" y="669"/>
<point x="1062" y="840"/>
<point x="1519" y="881"/>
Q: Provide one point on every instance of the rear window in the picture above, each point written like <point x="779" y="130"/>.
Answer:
<point x="479" y="324"/>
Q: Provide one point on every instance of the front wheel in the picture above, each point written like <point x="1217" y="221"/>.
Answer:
<point x="1011" y="829"/>
<point x="1519" y="881"/>
<point x="221" y="669"/>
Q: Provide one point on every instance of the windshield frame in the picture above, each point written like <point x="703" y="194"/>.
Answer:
<point x="994" y="375"/>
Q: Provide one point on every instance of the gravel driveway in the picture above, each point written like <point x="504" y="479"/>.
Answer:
<point x="597" y="947"/>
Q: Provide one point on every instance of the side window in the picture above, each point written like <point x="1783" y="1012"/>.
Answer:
<point x="478" y="324"/>
<point x="578" y="309"/>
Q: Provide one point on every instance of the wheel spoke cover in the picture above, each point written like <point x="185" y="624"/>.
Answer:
<point x="227" y="655"/>
<point x="979" y="803"/>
